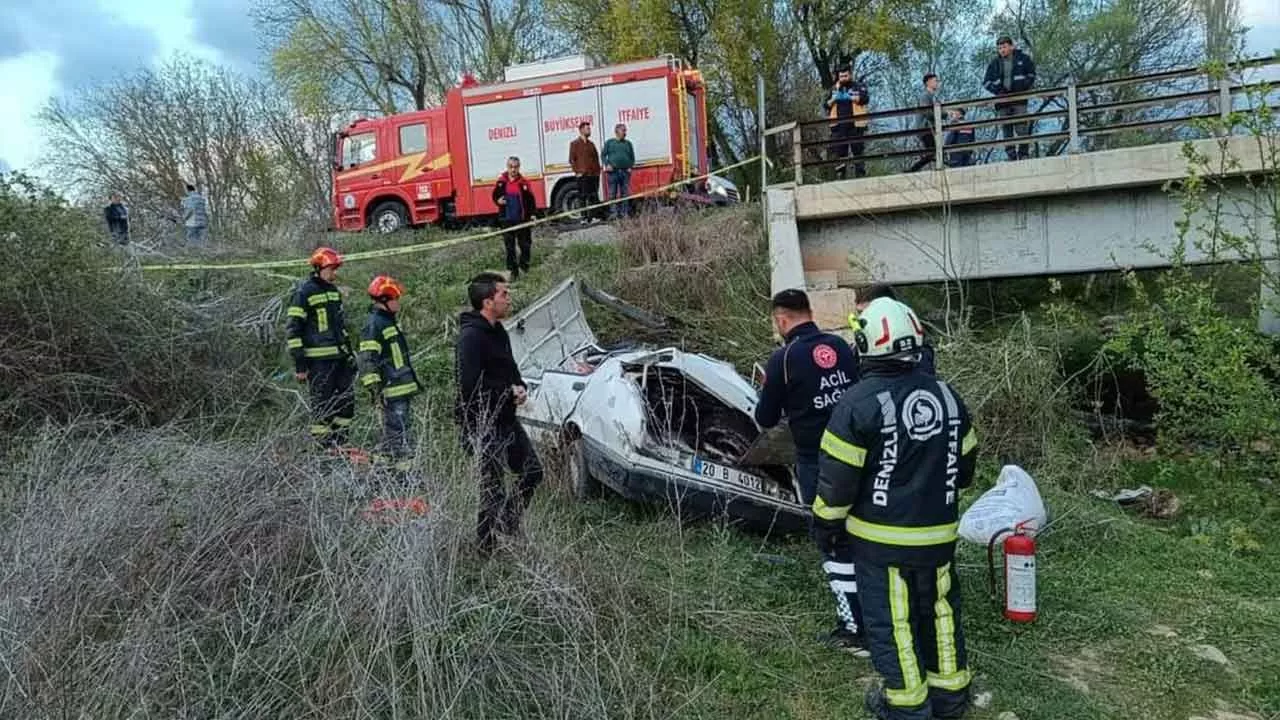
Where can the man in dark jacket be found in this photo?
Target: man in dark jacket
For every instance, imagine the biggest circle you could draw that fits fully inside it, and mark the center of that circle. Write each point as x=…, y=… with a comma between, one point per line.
x=845, y=107
x=803, y=380
x=489, y=390
x=584, y=159
x=898, y=450
x=516, y=204
x=321, y=351
x=117, y=216
x=388, y=373
x=864, y=298
x=1011, y=72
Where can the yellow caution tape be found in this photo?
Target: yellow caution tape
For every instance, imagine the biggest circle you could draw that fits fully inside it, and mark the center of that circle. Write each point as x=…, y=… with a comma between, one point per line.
x=438, y=244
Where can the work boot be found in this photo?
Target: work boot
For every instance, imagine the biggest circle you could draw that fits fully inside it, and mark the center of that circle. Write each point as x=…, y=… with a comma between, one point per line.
x=842, y=638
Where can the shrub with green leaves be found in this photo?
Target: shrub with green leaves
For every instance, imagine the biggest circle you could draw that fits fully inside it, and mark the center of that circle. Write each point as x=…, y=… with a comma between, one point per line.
x=83, y=332
x=1209, y=371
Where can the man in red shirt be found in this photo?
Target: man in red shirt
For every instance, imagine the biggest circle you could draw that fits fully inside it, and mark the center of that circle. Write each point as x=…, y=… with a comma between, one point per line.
x=516, y=204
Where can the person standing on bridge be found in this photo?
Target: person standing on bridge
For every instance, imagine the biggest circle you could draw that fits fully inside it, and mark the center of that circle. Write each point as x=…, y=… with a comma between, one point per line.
x=515, y=203
x=619, y=157
x=845, y=107
x=898, y=450
x=1011, y=72
x=803, y=380
x=584, y=159
x=925, y=121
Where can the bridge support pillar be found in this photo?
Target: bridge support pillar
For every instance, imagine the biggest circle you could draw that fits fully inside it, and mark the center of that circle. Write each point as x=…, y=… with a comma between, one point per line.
x=784, y=241
x=1269, y=301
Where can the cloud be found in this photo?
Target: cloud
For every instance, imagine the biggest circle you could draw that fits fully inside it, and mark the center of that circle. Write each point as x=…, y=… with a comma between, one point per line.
x=226, y=26
x=4, y=166
x=89, y=42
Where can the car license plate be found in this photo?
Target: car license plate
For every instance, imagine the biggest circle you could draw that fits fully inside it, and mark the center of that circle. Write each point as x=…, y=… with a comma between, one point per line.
x=727, y=474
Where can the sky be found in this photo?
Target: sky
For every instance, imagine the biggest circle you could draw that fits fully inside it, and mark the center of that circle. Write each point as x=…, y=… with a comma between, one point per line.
x=51, y=47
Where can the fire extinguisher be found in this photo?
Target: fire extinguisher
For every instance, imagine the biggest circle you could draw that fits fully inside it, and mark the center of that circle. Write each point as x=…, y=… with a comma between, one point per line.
x=1019, y=572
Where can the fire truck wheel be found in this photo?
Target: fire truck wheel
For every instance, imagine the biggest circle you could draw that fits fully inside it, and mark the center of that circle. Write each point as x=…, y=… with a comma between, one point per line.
x=388, y=217
x=565, y=196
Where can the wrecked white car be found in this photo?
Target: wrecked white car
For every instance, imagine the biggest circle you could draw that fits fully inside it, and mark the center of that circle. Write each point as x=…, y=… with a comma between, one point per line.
x=654, y=425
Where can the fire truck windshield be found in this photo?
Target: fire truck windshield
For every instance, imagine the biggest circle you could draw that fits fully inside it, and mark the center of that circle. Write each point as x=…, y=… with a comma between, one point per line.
x=359, y=149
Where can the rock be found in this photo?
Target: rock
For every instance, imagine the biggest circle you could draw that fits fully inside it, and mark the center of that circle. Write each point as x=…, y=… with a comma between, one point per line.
x=982, y=700
x=1007, y=715
x=1163, y=505
x=1162, y=631
x=1210, y=653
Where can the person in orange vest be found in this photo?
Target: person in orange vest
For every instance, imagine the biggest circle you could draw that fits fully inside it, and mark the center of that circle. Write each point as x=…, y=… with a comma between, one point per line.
x=849, y=100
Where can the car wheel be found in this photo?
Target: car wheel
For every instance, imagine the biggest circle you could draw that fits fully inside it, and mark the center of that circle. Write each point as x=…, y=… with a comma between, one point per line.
x=581, y=483
x=388, y=217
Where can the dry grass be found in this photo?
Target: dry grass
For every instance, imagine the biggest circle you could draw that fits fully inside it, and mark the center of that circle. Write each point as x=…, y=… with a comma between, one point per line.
x=149, y=575
x=1015, y=390
x=680, y=257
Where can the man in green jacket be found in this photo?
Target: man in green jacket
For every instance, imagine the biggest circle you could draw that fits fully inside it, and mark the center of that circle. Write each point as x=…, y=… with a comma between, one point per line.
x=619, y=157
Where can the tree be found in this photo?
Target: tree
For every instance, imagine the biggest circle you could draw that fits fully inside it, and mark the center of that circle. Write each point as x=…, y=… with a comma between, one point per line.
x=386, y=56
x=1223, y=33
x=149, y=133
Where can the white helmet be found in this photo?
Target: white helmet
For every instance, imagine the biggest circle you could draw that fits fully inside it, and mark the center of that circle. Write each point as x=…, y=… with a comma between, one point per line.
x=887, y=329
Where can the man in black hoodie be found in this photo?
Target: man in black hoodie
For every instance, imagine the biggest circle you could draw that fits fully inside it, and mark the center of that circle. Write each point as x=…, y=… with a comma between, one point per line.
x=1011, y=72
x=489, y=390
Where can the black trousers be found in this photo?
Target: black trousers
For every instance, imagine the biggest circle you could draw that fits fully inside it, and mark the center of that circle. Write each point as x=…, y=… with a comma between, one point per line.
x=853, y=146
x=396, y=446
x=333, y=400
x=499, y=450
x=1022, y=151
x=926, y=141
x=913, y=625
x=524, y=238
x=589, y=194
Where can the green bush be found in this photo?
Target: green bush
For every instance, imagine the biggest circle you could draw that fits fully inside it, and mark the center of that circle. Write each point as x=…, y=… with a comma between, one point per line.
x=1208, y=371
x=85, y=334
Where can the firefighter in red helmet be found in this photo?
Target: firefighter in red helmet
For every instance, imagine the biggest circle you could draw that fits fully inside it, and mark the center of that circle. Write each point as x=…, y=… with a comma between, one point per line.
x=897, y=451
x=317, y=340
x=388, y=372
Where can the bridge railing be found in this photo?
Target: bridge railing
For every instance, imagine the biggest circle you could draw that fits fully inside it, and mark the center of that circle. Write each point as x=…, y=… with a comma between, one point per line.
x=1142, y=109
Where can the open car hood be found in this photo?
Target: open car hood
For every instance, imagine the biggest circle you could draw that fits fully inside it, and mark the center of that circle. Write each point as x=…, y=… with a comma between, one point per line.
x=545, y=333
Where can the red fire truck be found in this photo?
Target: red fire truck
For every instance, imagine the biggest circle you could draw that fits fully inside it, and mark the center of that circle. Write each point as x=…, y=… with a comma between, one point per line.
x=440, y=164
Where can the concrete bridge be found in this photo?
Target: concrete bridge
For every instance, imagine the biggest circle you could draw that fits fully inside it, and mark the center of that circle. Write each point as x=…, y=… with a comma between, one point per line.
x=1071, y=213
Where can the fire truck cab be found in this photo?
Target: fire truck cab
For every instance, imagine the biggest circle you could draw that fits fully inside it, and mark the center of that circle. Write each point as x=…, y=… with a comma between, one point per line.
x=440, y=164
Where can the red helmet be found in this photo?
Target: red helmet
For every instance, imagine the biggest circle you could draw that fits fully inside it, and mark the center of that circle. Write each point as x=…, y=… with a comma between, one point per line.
x=385, y=287
x=325, y=257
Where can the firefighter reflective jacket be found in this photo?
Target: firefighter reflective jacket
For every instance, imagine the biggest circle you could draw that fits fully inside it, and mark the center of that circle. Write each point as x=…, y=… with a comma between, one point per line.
x=899, y=448
x=384, y=356
x=317, y=326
